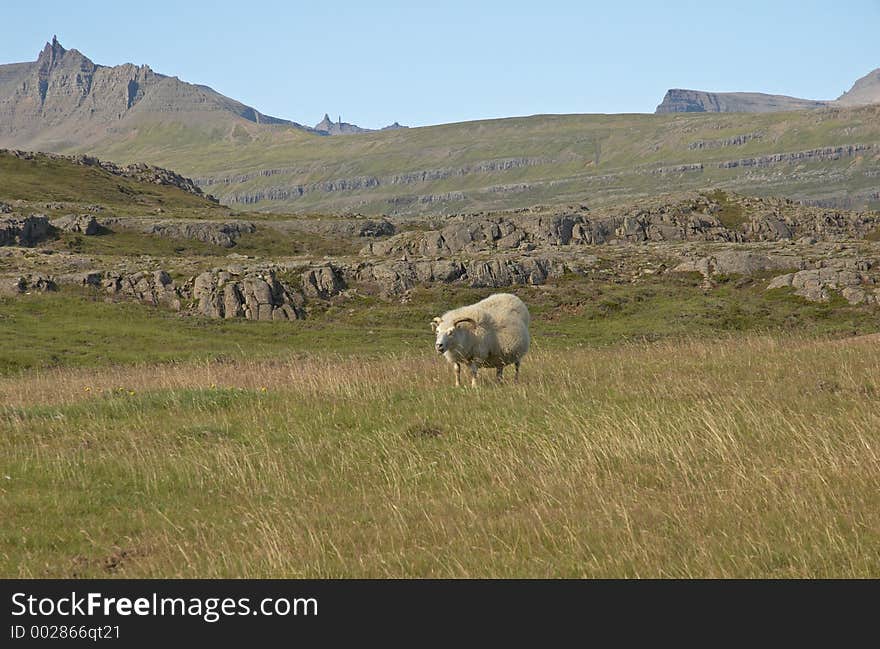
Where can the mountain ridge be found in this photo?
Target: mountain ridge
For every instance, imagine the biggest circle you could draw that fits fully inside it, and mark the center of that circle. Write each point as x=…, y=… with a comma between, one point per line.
x=65, y=99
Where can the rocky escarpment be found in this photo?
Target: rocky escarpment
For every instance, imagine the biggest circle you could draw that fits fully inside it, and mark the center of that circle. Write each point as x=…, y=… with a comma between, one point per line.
x=139, y=171
x=810, y=155
x=286, y=192
x=695, y=219
x=679, y=100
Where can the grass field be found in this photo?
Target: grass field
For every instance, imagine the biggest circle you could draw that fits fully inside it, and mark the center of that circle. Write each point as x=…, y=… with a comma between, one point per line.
x=657, y=431
x=749, y=457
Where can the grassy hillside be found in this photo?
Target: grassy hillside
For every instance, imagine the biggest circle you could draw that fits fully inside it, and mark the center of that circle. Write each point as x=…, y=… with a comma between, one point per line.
x=519, y=161
x=58, y=180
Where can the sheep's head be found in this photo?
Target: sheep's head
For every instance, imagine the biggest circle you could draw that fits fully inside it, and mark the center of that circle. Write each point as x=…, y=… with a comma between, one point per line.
x=448, y=335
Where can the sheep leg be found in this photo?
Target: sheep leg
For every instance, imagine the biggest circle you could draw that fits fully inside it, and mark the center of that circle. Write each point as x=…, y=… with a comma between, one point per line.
x=516, y=374
x=457, y=368
x=473, y=375
x=499, y=374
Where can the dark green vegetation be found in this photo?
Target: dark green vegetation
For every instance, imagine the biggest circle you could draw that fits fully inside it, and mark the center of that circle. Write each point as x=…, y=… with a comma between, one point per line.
x=70, y=329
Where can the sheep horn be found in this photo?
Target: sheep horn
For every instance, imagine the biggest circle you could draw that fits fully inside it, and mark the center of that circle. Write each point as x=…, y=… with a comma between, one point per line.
x=461, y=320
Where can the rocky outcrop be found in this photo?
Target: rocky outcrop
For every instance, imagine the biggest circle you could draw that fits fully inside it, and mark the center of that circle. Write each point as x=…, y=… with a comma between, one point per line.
x=467, y=235
x=85, y=224
x=28, y=231
x=328, y=127
x=255, y=295
x=223, y=234
x=817, y=285
x=692, y=219
x=155, y=288
x=736, y=140
x=323, y=282
x=738, y=262
x=394, y=278
x=28, y=284
x=678, y=100
x=823, y=154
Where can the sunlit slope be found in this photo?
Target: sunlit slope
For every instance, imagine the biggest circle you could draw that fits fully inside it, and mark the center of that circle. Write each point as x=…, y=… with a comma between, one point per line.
x=829, y=155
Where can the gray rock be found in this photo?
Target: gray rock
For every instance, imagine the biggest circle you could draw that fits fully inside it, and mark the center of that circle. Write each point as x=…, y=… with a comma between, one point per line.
x=395, y=278
x=155, y=288
x=737, y=262
x=28, y=284
x=380, y=228
x=85, y=224
x=816, y=285
x=23, y=231
x=255, y=296
x=223, y=234
x=324, y=282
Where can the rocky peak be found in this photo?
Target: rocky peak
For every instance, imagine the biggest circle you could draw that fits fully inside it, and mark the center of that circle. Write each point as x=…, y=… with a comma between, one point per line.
x=51, y=54
x=328, y=127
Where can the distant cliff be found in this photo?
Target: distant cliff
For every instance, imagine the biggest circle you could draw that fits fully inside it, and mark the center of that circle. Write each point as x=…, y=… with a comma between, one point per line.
x=864, y=91
x=679, y=100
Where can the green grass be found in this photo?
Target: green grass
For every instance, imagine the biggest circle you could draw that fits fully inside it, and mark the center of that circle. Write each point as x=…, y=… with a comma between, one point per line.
x=71, y=329
x=732, y=215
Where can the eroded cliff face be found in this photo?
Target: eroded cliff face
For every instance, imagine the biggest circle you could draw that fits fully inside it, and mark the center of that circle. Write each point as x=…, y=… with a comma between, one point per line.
x=64, y=99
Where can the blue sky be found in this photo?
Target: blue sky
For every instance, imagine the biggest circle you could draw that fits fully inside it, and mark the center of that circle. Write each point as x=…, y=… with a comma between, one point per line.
x=376, y=62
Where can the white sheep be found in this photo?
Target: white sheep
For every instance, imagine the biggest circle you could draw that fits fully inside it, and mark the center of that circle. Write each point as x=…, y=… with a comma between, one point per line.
x=491, y=333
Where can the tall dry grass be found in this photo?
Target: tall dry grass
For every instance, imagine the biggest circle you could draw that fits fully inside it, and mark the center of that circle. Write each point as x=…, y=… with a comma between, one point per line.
x=751, y=457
